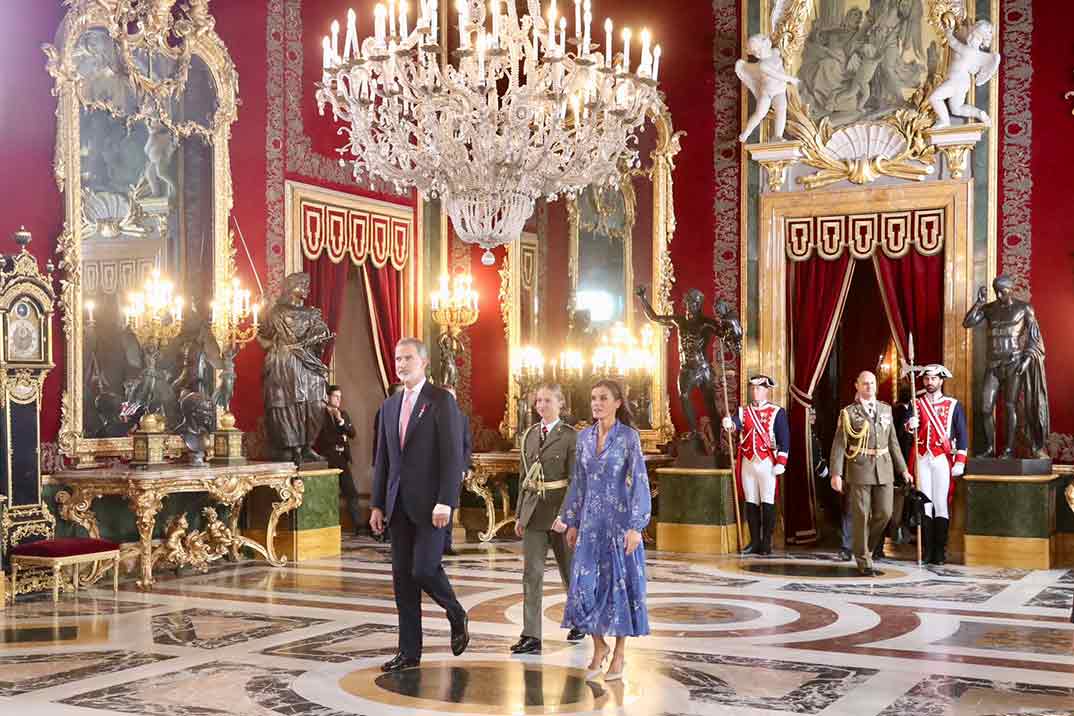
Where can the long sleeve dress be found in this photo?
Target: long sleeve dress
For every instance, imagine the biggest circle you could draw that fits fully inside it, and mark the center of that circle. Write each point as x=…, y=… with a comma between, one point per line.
x=609, y=494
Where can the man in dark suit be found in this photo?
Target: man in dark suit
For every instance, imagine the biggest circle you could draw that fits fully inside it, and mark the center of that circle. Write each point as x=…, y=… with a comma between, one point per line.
x=334, y=444
x=467, y=451
x=415, y=487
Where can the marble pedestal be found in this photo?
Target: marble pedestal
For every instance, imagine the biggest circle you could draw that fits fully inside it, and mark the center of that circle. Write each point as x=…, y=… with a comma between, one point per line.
x=1015, y=521
x=312, y=531
x=697, y=511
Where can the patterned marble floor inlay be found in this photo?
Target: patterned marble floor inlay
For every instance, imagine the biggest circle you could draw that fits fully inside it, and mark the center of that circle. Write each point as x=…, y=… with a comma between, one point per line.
x=796, y=633
x=211, y=629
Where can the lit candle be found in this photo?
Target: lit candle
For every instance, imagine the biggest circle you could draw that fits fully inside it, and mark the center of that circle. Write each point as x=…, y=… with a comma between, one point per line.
x=327, y=64
x=584, y=50
x=464, y=20
x=481, y=56
x=608, y=42
x=646, y=58
x=379, y=12
x=350, y=47
x=335, y=39
x=577, y=18
x=391, y=18
x=434, y=30
x=551, y=26
x=495, y=7
x=89, y=311
x=656, y=62
x=257, y=309
x=562, y=35
x=626, y=49
x=402, y=19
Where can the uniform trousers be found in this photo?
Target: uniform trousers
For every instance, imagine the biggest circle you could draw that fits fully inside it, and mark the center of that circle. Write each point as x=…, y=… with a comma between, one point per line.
x=534, y=549
x=934, y=479
x=870, y=508
x=758, y=481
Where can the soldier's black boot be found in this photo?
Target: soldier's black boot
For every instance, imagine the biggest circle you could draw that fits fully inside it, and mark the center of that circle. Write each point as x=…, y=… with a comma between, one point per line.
x=939, y=540
x=927, y=540
x=753, y=520
x=768, y=525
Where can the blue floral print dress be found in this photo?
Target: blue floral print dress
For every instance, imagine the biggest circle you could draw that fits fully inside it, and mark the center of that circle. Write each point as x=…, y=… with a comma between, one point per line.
x=609, y=494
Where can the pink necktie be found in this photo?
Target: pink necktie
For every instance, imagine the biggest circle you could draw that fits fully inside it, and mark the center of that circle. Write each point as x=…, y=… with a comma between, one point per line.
x=404, y=415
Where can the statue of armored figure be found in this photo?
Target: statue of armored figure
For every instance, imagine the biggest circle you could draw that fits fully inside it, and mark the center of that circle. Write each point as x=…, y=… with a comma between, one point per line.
x=1015, y=370
x=696, y=331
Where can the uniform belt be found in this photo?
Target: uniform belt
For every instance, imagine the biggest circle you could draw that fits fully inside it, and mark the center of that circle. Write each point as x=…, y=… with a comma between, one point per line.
x=535, y=486
x=874, y=452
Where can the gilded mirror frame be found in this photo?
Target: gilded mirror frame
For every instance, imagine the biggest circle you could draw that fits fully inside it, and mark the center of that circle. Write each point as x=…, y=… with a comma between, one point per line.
x=659, y=172
x=82, y=16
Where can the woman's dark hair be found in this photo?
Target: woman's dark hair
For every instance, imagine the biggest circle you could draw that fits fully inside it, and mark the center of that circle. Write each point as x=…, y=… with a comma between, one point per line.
x=623, y=414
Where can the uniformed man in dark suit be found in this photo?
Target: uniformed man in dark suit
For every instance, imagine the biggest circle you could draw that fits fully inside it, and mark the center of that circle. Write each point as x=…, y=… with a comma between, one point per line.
x=547, y=463
x=334, y=443
x=866, y=449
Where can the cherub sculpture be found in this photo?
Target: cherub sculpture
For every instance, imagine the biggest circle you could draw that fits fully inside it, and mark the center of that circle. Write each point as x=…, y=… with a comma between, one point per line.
x=970, y=62
x=767, y=81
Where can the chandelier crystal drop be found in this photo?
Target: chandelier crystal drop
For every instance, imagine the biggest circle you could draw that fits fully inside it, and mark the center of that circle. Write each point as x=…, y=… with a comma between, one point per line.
x=523, y=113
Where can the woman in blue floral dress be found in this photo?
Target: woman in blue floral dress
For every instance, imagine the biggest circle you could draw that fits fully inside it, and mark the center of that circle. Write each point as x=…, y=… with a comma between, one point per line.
x=606, y=508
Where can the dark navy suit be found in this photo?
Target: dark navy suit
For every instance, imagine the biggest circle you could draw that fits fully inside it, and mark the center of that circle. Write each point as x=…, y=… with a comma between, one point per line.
x=467, y=451
x=408, y=482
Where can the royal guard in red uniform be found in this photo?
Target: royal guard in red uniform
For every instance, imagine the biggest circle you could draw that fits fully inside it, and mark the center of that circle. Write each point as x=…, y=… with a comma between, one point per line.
x=764, y=444
x=940, y=444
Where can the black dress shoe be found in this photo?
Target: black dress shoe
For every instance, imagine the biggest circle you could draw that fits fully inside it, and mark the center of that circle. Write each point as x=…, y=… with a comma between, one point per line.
x=870, y=572
x=460, y=635
x=845, y=555
x=575, y=634
x=527, y=645
x=399, y=662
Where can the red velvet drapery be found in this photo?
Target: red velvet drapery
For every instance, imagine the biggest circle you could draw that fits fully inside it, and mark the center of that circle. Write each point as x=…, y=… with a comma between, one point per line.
x=328, y=284
x=383, y=289
x=817, y=294
x=912, y=288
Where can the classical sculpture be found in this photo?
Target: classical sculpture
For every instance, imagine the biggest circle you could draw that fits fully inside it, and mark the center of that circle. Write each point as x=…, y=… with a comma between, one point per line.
x=767, y=81
x=198, y=419
x=969, y=63
x=695, y=332
x=450, y=347
x=293, y=336
x=1015, y=368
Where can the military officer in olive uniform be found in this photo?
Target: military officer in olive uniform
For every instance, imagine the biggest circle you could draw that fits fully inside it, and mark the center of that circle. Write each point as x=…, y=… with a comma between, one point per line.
x=866, y=450
x=547, y=462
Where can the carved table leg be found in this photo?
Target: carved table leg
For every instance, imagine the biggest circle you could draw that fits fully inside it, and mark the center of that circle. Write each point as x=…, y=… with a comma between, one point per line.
x=234, y=511
x=145, y=505
x=505, y=507
x=290, y=491
x=477, y=483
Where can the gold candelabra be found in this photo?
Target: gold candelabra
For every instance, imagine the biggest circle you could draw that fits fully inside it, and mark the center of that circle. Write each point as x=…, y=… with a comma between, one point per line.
x=454, y=307
x=154, y=314
x=235, y=320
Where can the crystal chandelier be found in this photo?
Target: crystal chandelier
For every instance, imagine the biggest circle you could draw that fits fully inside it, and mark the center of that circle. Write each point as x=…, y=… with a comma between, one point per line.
x=525, y=113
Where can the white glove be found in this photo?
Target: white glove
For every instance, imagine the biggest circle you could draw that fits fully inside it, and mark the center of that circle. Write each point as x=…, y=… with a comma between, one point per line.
x=958, y=469
x=728, y=424
x=779, y=469
x=912, y=423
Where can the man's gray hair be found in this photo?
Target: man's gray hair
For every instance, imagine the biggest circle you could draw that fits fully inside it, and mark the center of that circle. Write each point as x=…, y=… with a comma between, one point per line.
x=417, y=344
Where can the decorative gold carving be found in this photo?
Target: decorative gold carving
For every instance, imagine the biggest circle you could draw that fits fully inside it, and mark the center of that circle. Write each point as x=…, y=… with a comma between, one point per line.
x=956, y=155
x=69, y=89
x=1070, y=495
x=788, y=35
x=776, y=172
x=490, y=472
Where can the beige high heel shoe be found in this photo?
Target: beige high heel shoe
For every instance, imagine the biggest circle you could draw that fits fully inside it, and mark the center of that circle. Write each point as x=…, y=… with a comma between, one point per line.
x=616, y=675
x=592, y=674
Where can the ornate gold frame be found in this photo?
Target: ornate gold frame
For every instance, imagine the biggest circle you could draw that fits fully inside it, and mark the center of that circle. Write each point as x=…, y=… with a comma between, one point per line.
x=663, y=277
x=83, y=15
x=770, y=353
x=630, y=201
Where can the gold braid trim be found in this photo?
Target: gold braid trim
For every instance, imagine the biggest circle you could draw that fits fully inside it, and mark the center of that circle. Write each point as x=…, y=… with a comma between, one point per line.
x=857, y=438
x=533, y=474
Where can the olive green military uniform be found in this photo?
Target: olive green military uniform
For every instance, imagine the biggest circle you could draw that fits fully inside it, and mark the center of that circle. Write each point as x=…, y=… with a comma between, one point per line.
x=546, y=473
x=867, y=446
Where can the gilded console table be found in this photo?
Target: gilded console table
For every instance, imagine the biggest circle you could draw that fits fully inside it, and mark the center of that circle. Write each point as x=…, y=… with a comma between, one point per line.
x=145, y=490
x=491, y=472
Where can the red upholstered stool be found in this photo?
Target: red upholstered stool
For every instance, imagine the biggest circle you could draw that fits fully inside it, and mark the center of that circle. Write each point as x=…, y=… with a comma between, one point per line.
x=58, y=553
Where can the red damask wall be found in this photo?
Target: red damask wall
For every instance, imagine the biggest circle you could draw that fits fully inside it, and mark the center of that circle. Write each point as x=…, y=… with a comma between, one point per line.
x=275, y=46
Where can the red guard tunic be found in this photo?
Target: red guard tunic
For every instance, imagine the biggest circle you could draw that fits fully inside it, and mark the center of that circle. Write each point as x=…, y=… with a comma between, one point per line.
x=764, y=432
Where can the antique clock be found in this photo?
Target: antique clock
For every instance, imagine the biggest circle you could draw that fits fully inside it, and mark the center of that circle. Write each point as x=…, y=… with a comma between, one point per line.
x=26, y=306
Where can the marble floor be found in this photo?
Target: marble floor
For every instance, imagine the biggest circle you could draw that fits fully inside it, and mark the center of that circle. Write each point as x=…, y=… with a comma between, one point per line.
x=787, y=634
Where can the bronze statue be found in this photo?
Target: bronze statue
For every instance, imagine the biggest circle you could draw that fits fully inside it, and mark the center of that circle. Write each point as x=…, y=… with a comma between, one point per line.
x=199, y=420
x=450, y=348
x=293, y=336
x=1015, y=367
x=695, y=331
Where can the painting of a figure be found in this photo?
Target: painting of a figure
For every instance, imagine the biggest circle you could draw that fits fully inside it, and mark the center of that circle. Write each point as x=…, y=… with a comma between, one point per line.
x=863, y=59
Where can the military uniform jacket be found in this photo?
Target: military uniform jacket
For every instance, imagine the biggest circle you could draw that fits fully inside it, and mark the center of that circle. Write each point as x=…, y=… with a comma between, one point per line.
x=874, y=456
x=556, y=458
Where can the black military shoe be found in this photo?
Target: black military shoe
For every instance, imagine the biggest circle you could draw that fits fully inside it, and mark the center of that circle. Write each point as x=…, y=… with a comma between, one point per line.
x=399, y=662
x=575, y=634
x=460, y=635
x=527, y=645
x=870, y=572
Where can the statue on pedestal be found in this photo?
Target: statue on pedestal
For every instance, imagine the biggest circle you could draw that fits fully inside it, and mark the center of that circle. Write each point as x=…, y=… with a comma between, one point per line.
x=767, y=81
x=1015, y=370
x=696, y=331
x=970, y=63
x=294, y=336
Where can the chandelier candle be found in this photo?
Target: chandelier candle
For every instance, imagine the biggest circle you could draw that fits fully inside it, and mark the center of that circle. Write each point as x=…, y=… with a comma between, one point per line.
x=514, y=117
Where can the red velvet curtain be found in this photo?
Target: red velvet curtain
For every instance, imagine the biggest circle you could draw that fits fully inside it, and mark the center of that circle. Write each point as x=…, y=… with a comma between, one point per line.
x=912, y=289
x=328, y=284
x=383, y=289
x=816, y=298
